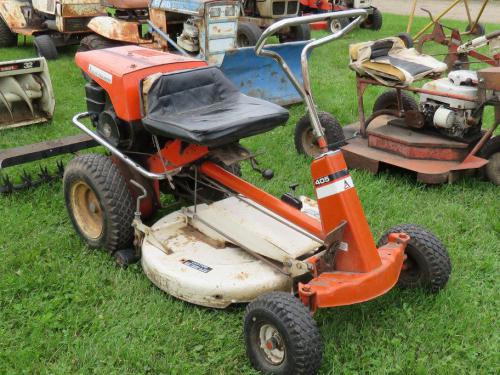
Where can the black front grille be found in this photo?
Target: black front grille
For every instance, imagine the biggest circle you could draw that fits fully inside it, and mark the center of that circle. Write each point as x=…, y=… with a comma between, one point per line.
x=292, y=7
x=76, y=24
x=278, y=8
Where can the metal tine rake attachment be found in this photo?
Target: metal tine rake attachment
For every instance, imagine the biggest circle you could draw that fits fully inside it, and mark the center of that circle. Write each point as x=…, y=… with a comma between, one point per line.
x=29, y=181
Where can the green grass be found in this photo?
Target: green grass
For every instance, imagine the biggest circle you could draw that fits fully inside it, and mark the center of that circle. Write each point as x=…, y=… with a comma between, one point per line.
x=67, y=309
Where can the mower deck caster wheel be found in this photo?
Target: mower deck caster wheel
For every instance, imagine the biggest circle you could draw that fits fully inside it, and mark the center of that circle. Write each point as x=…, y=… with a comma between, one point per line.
x=125, y=258
x=281, y=335
x=305, y=142
x=427, y=264
x=491, y=151
x=99, y=202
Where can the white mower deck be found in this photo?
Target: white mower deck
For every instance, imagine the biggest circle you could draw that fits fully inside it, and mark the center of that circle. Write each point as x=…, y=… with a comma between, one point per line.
x=194, y=256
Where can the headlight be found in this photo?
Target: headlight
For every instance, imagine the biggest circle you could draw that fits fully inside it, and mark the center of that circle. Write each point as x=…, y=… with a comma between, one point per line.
x=214, y=12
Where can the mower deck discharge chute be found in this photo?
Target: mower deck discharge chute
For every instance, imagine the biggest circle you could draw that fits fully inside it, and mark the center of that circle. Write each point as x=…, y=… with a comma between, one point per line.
x=173, y=124
x=26, y=95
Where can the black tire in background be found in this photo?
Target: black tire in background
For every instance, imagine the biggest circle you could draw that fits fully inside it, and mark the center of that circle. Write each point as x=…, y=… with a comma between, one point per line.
x=373, y=21
x=7, y=37
x=406, y=38
x=45, y=47
x=491, y=151
x=94, y=41
x=479, y=29
x=389, y=100
x=248, y=34
x=427, y=263
x=304, y=136
x=99, y=202
x=296, y=33
x=292, y=340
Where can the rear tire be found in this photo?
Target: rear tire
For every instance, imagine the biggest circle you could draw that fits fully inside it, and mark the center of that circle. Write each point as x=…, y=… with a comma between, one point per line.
x=99, y=202
x=427, y=265
x=304, y=137
x=248, y=34
x=7, y=37
x=491, y=151
x=389, y=100
x=281, y=336
x=94, y=42
x=373, y=21
x=296, y=33
x=45, y=47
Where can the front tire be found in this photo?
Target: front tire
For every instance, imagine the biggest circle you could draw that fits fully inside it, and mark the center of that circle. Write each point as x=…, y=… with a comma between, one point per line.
x=45, y=47
x=305, y=142
x=338, y=24
x=427, y=263
x=479, y=29
x=373, y=21
x=281, y=336
x=99, y=202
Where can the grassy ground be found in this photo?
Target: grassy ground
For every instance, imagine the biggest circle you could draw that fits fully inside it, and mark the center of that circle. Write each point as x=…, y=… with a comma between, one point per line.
x=67, y=309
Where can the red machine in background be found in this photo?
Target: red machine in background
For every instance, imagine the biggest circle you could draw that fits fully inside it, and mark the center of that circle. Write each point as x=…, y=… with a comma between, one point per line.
x=373, y=21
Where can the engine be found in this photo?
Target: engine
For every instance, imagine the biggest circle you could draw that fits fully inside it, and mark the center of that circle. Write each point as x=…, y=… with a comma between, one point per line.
x=456, y=118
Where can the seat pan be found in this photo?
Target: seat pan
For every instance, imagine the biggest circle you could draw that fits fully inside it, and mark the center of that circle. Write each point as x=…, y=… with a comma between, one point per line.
x=202, y=106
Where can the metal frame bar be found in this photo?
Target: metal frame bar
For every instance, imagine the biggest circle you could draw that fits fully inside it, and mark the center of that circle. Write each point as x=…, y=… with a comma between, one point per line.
x=114, y=150
x=305, y=89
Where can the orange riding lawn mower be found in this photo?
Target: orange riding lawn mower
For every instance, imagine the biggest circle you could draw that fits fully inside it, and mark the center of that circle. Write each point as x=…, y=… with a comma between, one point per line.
x=172, y=124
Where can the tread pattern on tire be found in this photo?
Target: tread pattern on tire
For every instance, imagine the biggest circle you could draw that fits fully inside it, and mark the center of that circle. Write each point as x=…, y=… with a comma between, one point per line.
x=333, y=131
x=251, y=31
x=7, y=37
x=387, y=100
x=116, y=197
x=299, y=322
x=376, y=21
x=94, y=42
x=433, y=249
x=491, y=147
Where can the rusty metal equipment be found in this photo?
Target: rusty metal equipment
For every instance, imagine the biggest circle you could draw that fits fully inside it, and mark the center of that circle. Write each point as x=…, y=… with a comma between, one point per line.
x=429, y=139
x=473, y=27
x=173, y=124
x=52, y=24
x=26, y=95
x=206, y=29
x=459, y=52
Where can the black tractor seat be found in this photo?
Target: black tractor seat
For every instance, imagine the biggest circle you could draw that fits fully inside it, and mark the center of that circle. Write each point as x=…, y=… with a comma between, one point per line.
x=202, y=106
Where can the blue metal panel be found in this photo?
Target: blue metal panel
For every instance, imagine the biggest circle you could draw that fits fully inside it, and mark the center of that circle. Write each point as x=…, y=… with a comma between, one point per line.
x=262, y=77
x=195, y=7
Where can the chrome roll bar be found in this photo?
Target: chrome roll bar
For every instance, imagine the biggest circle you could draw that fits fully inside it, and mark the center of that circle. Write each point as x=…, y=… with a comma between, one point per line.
x=305, y=89
x=120, y=155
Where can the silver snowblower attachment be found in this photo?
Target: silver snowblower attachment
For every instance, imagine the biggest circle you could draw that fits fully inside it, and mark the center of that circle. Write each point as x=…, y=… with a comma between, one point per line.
x=26, y=95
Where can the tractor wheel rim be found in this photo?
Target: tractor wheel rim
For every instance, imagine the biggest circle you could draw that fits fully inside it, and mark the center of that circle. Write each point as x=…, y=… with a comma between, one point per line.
x=335, y=26
x=309, y=143
x=271, y=344
x=87, y=210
